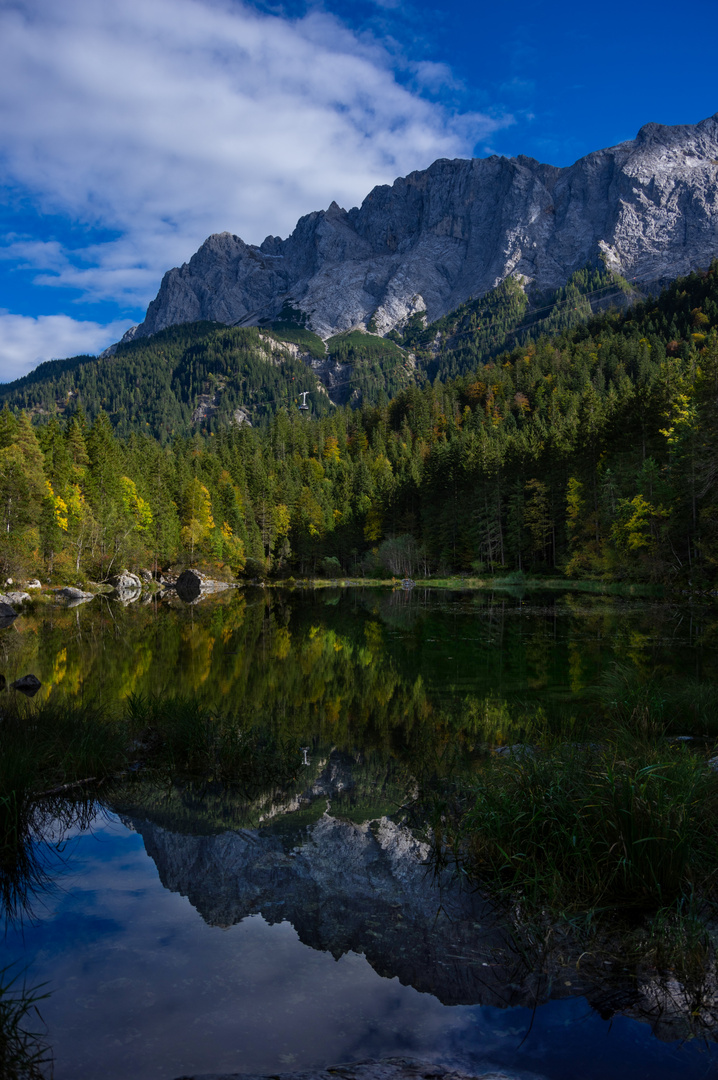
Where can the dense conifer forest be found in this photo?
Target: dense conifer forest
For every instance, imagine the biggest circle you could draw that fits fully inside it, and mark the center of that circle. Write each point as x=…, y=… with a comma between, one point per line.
x=573, y=440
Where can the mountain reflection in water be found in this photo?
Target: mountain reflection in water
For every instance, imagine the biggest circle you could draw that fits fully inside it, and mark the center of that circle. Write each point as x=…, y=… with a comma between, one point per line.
x=324, y=936
x=323, y=944
x=368, y=887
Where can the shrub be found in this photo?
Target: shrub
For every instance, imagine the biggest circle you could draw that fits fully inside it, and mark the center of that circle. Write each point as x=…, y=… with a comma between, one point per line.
x=330, y=567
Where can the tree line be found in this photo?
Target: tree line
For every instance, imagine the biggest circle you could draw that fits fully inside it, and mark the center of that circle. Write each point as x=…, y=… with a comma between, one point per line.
x=592, y=452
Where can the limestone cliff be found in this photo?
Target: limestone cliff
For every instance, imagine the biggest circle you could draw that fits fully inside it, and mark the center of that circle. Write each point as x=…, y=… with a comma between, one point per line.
x=648, y=207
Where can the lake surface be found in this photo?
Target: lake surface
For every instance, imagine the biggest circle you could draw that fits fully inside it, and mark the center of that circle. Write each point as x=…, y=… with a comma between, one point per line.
x=185, y=930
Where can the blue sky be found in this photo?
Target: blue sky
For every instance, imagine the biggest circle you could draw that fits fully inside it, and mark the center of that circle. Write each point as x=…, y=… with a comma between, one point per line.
x=132, y=129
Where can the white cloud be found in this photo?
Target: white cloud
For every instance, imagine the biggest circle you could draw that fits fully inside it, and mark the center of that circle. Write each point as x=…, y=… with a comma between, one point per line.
x=434, y=77
x=26, y=341
x=167, y=120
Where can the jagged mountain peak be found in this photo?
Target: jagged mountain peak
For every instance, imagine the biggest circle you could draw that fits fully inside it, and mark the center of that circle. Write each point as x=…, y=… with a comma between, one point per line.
x=647, y=207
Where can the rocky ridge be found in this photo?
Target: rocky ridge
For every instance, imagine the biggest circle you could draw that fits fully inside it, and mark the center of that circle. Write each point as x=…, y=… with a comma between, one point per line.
x=648, y=208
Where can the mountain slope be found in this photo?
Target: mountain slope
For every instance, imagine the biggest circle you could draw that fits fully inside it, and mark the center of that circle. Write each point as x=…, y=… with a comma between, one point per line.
x=647, y=209
x=205, y=376
x=594, y=451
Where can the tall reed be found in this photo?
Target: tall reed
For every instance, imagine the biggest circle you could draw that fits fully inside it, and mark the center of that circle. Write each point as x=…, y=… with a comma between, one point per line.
x=582, y=827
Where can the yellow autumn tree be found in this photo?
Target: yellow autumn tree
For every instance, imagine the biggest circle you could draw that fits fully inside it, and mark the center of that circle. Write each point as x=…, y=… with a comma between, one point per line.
x=197, y=520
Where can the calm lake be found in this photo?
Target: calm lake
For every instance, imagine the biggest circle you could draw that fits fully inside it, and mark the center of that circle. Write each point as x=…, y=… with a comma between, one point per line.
x=186, y=929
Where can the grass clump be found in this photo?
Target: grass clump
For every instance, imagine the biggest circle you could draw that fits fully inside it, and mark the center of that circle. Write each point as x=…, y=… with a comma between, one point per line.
x=582, y=828
x=24, y=1054
x=654, y=705
x=44, y=746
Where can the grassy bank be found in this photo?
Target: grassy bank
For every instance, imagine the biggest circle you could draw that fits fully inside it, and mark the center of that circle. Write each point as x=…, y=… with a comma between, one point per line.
x=506, y=582
x=510, y=582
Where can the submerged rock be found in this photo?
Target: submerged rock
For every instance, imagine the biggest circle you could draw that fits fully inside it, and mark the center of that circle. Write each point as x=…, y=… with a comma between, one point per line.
x=28, y=685
x=517, y=751
x=395, y=1068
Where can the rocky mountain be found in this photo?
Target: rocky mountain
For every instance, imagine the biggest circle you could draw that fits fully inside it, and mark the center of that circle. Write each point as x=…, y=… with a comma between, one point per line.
x=647, y=209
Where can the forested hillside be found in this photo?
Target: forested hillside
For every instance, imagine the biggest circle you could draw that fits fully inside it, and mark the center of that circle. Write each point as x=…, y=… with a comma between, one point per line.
x=594, y=452
x=507, y=316
x=194, y=377
x=205, y=376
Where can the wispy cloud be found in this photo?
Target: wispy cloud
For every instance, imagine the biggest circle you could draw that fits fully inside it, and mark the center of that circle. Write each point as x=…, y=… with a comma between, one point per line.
x=26, y=341
x=167, y=120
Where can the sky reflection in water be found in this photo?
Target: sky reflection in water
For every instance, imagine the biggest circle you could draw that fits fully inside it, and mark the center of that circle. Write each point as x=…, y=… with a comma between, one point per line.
x=142, y=987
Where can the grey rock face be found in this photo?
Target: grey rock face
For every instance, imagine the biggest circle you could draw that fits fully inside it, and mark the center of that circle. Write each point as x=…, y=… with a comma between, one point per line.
x=648, y=207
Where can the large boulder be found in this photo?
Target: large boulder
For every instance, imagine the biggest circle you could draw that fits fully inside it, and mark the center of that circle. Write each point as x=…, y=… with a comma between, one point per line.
x=15, y=597
x=7, y=613
x=28, y=685
x=125, y=582
x=190, y=585
x=72, y=596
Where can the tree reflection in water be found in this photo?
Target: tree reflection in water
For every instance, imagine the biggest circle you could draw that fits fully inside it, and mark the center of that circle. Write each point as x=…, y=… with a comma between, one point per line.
x=380, y=696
